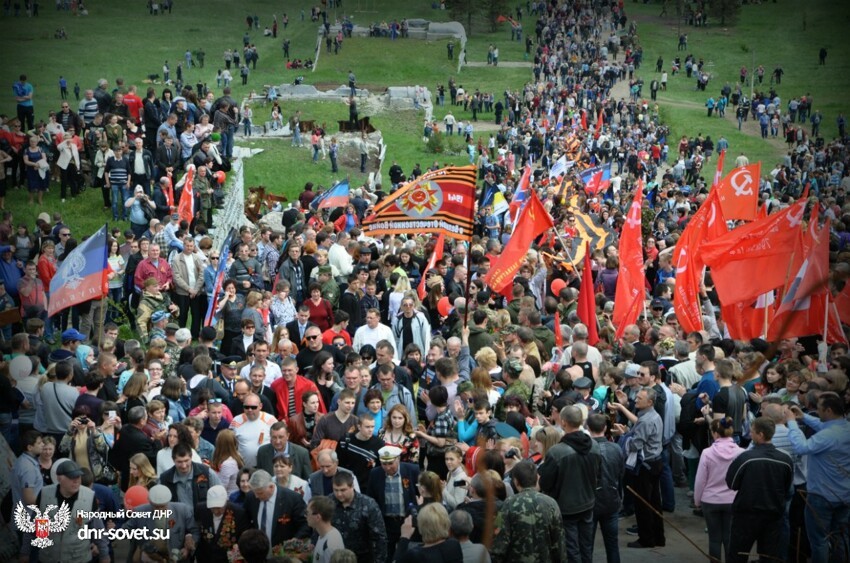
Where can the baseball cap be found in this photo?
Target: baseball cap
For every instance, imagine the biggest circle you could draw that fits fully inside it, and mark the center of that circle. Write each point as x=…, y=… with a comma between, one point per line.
x=216, y=497
x=72, y=334
x=159, y=316
x=632, y=370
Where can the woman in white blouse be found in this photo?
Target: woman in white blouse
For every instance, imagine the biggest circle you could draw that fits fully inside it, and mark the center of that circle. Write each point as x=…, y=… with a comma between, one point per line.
x=226, y=461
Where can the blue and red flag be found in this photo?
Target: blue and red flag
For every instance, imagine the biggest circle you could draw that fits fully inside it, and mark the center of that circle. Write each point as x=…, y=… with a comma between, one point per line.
x=596, y=179
x=335, y=196
x=82, y=275
x=219, y=277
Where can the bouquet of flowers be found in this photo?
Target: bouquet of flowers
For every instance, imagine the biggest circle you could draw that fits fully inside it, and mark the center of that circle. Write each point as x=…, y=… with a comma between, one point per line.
x=300, y=548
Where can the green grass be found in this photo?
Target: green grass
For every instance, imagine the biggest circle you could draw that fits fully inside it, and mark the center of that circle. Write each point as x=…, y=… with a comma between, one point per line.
x=121, y=39
x=769, y=34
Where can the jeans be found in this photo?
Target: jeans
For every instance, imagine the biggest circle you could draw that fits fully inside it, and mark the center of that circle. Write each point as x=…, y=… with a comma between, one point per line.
x=119, y=196
x=646, y=485
x=227, y=143
x=668, y=493
x=718, y=520
x=296, y=136
x=115, y=294
x=609, y=526
x=578, y=529
x=826, y=523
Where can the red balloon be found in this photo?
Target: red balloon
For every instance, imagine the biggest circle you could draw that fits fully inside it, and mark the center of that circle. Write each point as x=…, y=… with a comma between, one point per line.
x=220, y=176
x=136, y=495
x=557, y=286
x=443, y=306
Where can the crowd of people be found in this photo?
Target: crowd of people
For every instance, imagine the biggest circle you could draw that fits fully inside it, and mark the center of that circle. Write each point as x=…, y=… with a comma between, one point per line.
x=353, y=402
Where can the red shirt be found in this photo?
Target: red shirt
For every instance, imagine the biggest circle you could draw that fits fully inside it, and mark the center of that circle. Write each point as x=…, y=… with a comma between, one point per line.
x=302, y=385
x=321, y=315
x=134, y=104
x=329, y=335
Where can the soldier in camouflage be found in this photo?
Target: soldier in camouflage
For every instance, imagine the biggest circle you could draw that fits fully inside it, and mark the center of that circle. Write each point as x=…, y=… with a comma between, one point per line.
x=330, y=289
x=532, y=530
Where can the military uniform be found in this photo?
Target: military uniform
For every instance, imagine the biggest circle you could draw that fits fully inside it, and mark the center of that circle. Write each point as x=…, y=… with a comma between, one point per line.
x=330, y=291
x=532, y=530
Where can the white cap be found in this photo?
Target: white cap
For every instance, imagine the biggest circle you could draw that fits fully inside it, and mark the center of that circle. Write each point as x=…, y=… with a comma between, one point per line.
x=216, y=497
x=159, y=495
x=389, y=453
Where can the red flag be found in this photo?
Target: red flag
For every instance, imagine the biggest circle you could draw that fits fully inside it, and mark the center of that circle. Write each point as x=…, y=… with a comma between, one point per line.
x=599, y=121
x=842, y=304
x=706, y=225
x=436, y=256
x=811, y=271
x=586, y=306
x=745, y=321
x=532, y=221
x=631, y=282
x=583, y=114
x=739, y=192
x=755, y=247
x=810, y=318
x=186, y=208
x=762, y=213
x=559, y=336
x=719, y=172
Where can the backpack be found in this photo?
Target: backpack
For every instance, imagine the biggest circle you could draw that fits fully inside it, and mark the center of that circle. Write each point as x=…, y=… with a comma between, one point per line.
x=686, y=426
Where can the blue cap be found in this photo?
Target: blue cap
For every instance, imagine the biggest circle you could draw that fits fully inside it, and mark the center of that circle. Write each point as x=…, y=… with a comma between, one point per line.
x=160, y=315
x=72, y=334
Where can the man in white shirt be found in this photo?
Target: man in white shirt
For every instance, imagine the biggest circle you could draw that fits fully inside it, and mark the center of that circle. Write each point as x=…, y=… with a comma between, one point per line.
x=372, y=332
x=261, y=353
x=339, y=256
x=252, y=429
x=320, y=511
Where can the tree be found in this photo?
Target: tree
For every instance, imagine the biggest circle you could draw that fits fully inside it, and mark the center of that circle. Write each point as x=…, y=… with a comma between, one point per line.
x=494, y=9
x=726, y=11
x=463, y=10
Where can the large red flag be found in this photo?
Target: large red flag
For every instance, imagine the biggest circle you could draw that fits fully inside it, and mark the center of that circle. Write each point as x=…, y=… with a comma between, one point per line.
x=706, y=225
x=599, y=122
x=842, y=304
x=532, y=221
x=559, y=335
x=739, y=192
x=745, y=321
x=631, y=282
x=436, y=256
x=719, y=172
x=810, y=271
x=753, y=248
x=809, y=318
x=186, y=207
x=586, y=306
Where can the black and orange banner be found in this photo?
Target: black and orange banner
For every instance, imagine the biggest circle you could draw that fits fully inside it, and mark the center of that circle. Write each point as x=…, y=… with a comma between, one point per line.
x=442, y=201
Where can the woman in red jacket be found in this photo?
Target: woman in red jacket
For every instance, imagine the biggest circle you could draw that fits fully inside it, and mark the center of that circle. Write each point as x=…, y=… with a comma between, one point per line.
x=347, y=220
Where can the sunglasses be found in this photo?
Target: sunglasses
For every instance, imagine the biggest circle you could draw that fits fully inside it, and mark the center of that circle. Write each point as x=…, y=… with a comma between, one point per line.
x=216, y=400
x=213, y=257
x=313, y=337
x=250, y=407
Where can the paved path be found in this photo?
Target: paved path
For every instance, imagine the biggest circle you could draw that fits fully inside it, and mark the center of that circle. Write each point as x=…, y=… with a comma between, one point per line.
x=508, y=64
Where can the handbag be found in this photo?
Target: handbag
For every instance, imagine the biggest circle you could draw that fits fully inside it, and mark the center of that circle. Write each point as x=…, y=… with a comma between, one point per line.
x=325, y=444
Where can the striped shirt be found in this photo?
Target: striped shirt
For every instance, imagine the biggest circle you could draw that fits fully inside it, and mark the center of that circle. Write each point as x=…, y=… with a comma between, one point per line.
x=87, y=110
x=118, y=170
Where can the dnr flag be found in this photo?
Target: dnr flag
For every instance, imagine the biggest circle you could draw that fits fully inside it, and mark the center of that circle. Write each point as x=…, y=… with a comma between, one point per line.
x=442, y=201
x=82, y=275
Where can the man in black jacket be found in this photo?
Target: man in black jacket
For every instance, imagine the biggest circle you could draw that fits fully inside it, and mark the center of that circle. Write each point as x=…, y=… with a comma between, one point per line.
x=163, y=210
x=132, y=441
x=608, y=497
x=141, y=173
x=188, y=481
x=167, y=157
x=276, y=511
x=762, y=476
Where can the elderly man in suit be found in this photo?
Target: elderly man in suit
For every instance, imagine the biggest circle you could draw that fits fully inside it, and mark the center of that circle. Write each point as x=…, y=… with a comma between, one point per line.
x=321, y=481
x=280, y=444
x=393, y=486
x=188, y=270
x=275, y=510
x=220, y=524
x=183, y=534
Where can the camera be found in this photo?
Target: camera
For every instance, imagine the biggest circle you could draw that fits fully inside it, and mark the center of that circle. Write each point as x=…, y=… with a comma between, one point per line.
x=84, y=420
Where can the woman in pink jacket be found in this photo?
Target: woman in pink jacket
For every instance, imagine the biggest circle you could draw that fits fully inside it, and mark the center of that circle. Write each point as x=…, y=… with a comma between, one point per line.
x=710, y=490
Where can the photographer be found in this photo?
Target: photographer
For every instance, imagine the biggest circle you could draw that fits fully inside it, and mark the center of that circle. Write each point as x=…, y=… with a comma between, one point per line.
x=141, y=208
x=85, y=445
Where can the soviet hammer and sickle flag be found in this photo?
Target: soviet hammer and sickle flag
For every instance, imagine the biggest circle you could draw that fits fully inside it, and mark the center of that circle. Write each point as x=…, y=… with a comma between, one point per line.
x=739, y=193
x=442, y=201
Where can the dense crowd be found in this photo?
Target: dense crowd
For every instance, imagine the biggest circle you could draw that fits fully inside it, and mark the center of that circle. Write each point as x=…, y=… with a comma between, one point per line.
x=340, y=397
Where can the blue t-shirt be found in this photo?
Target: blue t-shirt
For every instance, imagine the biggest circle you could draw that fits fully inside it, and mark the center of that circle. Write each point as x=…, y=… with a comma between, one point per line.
x=23, y=89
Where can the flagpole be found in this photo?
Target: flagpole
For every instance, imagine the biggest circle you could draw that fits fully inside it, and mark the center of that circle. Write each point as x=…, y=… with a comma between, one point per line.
x=466, y=294
x=826, y=316
x=103, y=301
